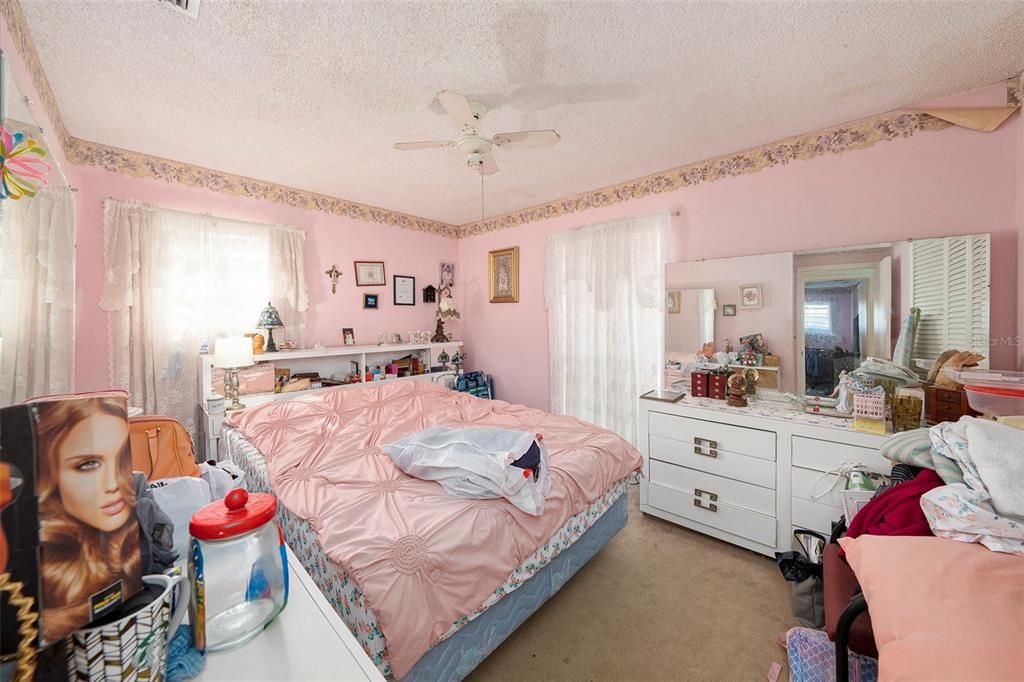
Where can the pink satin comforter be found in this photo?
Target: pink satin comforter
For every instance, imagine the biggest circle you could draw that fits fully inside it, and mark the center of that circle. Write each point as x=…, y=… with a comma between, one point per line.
x=422, y=558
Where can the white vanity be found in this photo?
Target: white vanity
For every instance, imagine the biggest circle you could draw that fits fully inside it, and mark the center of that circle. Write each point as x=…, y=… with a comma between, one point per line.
x=745, y=475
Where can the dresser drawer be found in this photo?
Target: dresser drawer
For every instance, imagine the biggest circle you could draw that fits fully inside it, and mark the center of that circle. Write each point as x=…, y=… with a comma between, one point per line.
x=806, y=482
x=824, y=455
x=718, y=513
x=714, y=461
x=713, y=435
x=734, y=493
x=815, y=516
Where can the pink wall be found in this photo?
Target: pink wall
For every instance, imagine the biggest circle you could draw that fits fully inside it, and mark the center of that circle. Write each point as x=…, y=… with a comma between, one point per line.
x=774, y=273
x=930, y=185
x=329, y=239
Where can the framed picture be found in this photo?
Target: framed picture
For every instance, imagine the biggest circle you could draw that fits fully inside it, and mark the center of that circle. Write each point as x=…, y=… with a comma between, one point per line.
x=405, y=290
x=729, y=310
x=348, y=336
x=370, y=273
x=370, y=301
x=447, y=274
x=750, y=296
x=673, y=301
x=504, y=275
x=754, y=342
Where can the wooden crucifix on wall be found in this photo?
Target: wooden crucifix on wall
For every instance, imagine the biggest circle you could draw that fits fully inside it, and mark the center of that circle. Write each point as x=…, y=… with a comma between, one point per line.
x=334, y=273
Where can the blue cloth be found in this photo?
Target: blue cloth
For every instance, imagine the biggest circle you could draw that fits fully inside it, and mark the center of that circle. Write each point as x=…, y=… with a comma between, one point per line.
x=184, y=661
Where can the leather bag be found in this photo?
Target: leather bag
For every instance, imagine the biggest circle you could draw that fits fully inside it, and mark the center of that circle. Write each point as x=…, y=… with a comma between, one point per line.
x=161, y=448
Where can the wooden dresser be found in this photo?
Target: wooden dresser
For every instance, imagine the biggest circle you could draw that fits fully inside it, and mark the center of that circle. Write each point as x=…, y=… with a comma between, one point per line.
x=746, y=475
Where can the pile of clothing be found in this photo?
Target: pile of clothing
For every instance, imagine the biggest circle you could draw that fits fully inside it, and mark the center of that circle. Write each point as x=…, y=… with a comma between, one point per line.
x=964, y=484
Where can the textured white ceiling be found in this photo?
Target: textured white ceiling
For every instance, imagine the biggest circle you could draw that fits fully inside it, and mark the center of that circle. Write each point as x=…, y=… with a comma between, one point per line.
x=312, y=94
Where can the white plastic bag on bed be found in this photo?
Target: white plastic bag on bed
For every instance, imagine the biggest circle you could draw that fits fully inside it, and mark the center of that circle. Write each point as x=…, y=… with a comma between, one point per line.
x=476, y=463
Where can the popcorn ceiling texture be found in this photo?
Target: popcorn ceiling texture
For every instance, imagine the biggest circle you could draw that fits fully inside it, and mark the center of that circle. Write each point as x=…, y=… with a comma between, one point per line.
x=633, y=87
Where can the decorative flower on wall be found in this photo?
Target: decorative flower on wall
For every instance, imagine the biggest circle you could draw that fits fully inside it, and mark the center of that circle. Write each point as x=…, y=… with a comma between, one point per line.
x=23, y=163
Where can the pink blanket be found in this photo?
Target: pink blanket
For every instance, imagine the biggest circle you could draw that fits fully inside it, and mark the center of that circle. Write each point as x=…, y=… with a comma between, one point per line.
x=422, y=558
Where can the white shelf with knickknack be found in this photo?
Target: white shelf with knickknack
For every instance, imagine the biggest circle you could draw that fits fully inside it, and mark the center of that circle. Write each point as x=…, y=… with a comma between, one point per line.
x=328, y=362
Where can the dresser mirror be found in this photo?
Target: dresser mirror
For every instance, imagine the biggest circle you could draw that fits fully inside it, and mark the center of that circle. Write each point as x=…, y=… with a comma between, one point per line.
x=842, y=313
x=824, y=311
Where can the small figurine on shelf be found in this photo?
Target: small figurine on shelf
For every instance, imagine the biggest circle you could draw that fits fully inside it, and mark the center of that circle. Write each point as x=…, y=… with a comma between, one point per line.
x=737, y=391
x=843, y=394
x=382, y=340
x=397, y=338
x=728, y=345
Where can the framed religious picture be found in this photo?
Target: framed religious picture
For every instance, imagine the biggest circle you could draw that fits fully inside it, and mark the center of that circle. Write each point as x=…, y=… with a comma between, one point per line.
x=405, y=290
x=750, y=296
x=348, y=336
x=370, y=273
x=504, y=275
x=447, y=274
x=673, y=301
x=370, y=301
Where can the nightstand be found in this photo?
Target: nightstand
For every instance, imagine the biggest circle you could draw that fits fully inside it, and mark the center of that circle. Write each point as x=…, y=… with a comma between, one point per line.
x=307, y=642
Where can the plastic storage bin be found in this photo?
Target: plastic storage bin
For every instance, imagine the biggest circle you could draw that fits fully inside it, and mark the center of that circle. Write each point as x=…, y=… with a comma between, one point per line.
x=238, y=568
x=998, y=402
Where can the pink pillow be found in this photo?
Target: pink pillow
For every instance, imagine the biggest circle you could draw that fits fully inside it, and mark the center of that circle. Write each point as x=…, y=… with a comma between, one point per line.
x=941, y=609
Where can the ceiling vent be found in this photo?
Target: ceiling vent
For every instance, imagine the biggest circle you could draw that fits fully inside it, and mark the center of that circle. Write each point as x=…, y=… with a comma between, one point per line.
x=189, y=7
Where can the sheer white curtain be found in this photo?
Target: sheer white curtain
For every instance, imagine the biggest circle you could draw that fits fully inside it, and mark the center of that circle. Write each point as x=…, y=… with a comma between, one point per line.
x=37, y=295
x=176, y=280
x=605, y=295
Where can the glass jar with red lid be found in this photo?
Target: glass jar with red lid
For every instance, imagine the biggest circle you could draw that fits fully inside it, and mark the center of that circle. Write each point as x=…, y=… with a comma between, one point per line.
x=238, y=569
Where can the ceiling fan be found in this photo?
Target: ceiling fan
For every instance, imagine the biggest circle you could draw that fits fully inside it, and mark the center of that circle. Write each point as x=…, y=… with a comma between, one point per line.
x=477, y=148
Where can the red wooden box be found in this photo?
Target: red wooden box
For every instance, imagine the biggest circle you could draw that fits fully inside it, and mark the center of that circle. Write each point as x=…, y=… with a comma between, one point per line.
x=699, y=383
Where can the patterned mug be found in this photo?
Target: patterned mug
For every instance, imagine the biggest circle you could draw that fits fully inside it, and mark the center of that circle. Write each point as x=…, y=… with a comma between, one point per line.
x=134, y=647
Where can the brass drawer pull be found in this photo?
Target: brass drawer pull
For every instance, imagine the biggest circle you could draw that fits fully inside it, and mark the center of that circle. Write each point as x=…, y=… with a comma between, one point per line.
x=709, y=453
x=705, y=441
x=712, y=496
x=711, y=505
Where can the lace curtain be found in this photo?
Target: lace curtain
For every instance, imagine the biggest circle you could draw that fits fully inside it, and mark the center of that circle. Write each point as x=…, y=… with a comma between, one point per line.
x=605, y=296
x=177, y=280
x=37, y=305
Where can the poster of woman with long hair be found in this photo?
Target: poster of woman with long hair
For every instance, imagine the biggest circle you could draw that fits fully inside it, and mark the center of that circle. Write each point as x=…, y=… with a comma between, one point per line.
x=89, y=534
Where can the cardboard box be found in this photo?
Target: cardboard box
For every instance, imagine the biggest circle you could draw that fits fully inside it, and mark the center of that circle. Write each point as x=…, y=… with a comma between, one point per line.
x=69, y=527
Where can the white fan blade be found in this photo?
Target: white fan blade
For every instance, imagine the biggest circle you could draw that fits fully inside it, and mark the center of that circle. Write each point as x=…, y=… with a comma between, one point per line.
x=432, y=144
x=528, y=138
x=457, y=107
x=488, y=167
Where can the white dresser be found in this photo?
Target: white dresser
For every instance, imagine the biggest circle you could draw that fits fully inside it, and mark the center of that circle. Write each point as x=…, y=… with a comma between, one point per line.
x=745, y=475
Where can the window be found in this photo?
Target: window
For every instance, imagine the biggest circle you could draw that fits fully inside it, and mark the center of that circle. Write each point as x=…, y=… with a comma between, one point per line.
x=177, y=280
x=818, y=316
x=605, y=297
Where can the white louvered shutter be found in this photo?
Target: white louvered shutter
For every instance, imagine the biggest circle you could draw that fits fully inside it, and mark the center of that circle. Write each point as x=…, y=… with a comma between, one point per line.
x=950, y=284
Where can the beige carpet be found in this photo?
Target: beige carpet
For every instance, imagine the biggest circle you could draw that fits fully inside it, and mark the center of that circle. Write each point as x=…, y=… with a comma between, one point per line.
x=659, y=602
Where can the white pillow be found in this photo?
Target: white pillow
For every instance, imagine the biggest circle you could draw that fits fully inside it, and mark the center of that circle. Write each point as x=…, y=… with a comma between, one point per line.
x=998, y=453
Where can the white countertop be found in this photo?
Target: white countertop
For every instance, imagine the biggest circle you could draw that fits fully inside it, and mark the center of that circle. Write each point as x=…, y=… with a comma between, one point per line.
x=770, y=408
x=308, y=641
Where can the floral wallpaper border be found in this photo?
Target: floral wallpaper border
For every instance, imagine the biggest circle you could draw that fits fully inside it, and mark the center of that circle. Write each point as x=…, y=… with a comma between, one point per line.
x=836, y=140
x=83, y=152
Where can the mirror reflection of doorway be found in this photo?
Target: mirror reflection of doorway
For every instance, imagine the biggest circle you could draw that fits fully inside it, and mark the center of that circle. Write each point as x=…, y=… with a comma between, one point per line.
x=843, y=319
x=834, y=324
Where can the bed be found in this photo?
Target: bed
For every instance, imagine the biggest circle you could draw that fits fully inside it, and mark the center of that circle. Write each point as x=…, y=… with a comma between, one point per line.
x=429, y=584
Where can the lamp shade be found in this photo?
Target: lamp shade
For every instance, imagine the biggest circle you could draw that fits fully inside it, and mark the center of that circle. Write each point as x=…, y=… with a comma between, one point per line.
x=232, y=351
x=269, y=318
